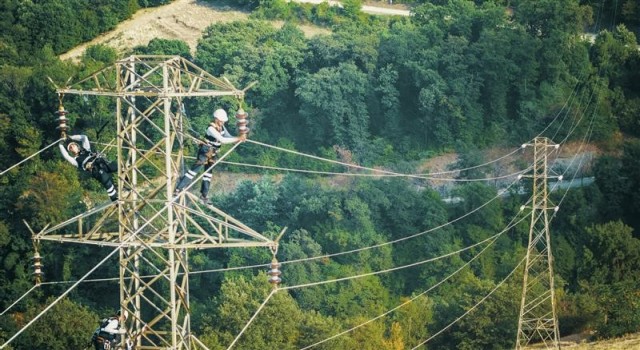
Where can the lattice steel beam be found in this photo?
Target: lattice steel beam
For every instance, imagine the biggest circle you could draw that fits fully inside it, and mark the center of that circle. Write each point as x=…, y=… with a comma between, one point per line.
x=153, y=229
x=538, y=321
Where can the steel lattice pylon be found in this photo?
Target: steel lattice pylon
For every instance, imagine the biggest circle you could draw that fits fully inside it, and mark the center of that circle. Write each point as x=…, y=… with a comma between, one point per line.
x=152, y=229
x=538, y=321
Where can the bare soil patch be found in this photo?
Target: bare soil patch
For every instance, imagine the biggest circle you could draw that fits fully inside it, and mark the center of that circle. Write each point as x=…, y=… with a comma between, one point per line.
x=180, y=20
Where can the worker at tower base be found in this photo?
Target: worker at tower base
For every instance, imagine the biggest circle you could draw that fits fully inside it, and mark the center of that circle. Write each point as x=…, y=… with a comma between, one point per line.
x=109, y=335
x=78, y=153
x=215, y=136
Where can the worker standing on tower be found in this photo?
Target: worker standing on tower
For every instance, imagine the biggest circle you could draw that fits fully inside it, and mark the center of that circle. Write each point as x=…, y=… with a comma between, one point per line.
x=80, y=156
x=215, y=136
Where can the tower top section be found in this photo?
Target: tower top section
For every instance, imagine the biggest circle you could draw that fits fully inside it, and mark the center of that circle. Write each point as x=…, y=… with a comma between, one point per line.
x=152, y=76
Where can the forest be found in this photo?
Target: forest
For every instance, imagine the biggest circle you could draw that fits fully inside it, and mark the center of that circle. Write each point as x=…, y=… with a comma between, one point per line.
x=458, y=76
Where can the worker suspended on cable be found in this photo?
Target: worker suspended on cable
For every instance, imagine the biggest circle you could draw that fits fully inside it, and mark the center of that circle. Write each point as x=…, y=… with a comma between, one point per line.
x=80, y=155
x=109, y=333
x=215, y=136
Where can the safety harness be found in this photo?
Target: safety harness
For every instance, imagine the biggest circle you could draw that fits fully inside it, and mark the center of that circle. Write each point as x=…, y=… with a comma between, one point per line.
x=103, y=340
x=86, y=160
x=212, y=143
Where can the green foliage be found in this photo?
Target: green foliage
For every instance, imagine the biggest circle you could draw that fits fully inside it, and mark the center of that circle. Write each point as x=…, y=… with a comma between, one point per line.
x=578, y=312
x=631, y=167
x=370, y=336
x=323, y=13
x=266, y=55
x=229, y=43
x=152, y=3
x=239, y=299
x=475, y=195
x=331, y=51
x=300, y=245
x=67, y=325
x=481, y=328
x=315, y=328
x=547, y=18
x=608, y=274
x=612, y=185
x=388, y=118
x=619, y=309
x=414, y=319
x=274, y=9
x=159, y=46
x=46, y=188
x=352, y=7
x=61, y=24
x=254, y=203
x=626, y=109
x=615, y=178
x=614, y=14
x=611, y=255
x=99, y=53
x=333, y=103
x=612, y=309
x=614, y=54
x=458, y=74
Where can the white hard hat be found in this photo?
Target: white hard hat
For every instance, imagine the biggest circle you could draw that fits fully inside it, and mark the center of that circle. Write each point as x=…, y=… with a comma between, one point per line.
x=221, y=115
x=72, y=144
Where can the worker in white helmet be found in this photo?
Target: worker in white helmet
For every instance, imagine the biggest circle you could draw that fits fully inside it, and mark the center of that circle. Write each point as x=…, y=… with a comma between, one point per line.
x=78, y=153
x=111, y=333
x=215, y=136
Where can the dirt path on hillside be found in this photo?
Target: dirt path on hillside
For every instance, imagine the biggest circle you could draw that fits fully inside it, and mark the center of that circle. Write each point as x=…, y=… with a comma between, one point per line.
x=180, y=20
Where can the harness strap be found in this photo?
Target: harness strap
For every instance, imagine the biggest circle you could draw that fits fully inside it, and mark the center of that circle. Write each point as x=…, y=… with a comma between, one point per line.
x=87, y=163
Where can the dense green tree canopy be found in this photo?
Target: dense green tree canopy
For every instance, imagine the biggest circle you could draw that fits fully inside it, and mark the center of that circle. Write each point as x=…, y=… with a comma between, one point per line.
x=383, y=92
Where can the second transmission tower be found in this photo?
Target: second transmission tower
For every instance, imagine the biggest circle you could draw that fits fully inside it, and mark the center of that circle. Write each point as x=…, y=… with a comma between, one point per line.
x=538, y=321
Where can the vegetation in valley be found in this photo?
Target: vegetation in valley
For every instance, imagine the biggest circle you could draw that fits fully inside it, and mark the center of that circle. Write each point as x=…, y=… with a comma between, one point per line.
x=457, y=76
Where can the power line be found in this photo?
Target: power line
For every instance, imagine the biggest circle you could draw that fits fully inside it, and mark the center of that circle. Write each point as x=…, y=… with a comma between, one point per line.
x=473, y=307
x=273, y=292
x=217, y=161
x=425, y=177
x=584, y=142
x=490, y=239
x=349, y=278
x=420, y=176
x=325, y=256
x=402, y=266
x=577, y=123
x=29, y=157
x=403, y=238
x=429, y=176
x=408, y=301
x=20, y=298
x=65, y=293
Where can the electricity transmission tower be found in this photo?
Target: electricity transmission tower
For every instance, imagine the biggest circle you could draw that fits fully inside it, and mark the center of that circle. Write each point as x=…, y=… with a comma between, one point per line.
x=538, y=321
x=152, y=229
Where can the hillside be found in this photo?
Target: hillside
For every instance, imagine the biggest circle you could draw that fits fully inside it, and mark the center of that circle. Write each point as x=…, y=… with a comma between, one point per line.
x=186, y=19
x=323, y=218
x=181, y=20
